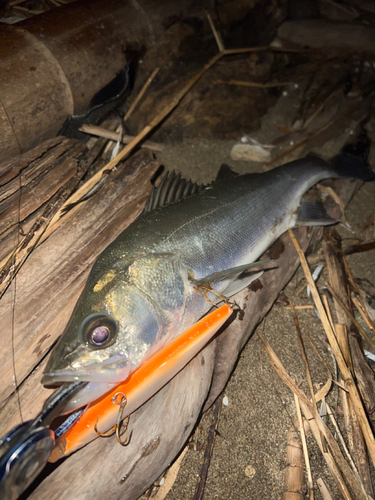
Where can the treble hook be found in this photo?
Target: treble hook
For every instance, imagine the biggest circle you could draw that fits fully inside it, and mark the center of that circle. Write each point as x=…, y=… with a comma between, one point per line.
x=205, y=289
x=116, y=429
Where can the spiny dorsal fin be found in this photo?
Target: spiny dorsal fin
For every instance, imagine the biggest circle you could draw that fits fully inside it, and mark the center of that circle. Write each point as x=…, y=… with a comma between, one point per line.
x=171, y=189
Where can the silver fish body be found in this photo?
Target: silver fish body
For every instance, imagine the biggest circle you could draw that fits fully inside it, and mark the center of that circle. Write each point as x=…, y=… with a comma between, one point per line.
x=141, y=293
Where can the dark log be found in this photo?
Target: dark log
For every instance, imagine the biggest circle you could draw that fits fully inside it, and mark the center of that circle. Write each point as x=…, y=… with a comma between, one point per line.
x=54, y=64
x=320, y=34
x=47, y=171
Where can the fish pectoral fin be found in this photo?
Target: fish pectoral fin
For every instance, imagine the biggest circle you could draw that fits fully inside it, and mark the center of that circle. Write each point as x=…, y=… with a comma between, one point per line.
x=228, y=273
x=313, y=213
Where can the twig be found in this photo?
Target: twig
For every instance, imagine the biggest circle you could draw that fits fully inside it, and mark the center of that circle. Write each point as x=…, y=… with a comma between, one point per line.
x=363, y=332
x=141, y=94
x=303, y=353
x=304, y=447
x=199, y=492
x=113, y=136
x=324, y=491
x=252, y=84
x=299, y=307
x=363, y=314
x=217, y=36
x=348, y=379
x=342, y=441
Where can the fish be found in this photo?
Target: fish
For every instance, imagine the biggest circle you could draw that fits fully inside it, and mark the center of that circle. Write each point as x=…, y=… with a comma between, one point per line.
x=191, y=248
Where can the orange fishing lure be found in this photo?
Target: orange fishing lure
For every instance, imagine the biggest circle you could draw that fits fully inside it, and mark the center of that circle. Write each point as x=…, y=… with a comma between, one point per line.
x=142, y=384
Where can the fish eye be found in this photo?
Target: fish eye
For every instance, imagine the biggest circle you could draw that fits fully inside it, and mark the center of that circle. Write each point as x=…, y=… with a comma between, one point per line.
x=100, y=335
x=100, y=331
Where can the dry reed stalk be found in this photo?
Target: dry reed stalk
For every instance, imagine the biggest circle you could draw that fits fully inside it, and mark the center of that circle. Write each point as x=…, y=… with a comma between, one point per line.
x=256, y=85
x=362, y=331
x=303, y=353
x=342, y=441
x=141, y=94
x=299, y=307
x=219, y=41
x=363, y=313
x=348, y=379
x=328, y=311
x=113, y=136
x=305, y=450
x=324, y=491
x=293, y=477
x=342, y=339
x=318, y=428
x=347, y=417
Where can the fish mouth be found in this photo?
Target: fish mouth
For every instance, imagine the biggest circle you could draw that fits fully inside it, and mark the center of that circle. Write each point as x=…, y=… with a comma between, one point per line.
x=101, y=378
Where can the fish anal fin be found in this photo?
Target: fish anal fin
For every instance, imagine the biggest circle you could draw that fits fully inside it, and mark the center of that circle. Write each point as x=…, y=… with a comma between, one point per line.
x=313, y=213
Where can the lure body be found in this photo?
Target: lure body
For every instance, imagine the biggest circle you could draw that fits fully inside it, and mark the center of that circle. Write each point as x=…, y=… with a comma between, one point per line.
x=143, y=383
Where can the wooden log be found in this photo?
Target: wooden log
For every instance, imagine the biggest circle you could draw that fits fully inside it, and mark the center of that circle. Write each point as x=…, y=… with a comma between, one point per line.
x=55, y=64
x=46, y=172
x=321, y=34
x=51, y=279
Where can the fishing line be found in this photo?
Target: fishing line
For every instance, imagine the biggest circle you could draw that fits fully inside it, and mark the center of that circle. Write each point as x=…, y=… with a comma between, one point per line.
x=13, y=301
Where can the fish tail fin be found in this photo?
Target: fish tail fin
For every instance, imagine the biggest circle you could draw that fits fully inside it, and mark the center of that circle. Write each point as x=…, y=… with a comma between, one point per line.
x=353, y=167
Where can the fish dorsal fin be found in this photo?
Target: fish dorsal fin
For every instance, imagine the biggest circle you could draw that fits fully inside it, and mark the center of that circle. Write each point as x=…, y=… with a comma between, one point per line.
x=171, y=189
x=225, y=173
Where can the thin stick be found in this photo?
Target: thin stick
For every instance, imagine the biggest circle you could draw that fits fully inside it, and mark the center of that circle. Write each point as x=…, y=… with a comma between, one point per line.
x=342, y=441
x=217, y=36
x=256, y=85
x=324, y=491
x=303, y=353
x=199, y=492
x=348, y=379
x=328, y=311
x=363, y=314
x=141, y=94
x=363, y=332
x=113, y=136
x=299, y=307
x=305, y=450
